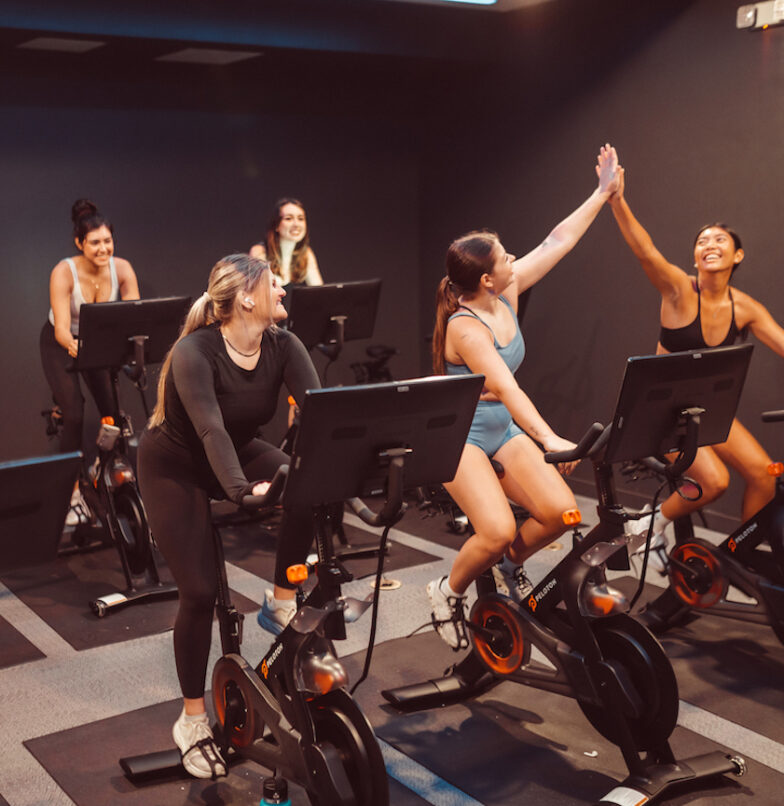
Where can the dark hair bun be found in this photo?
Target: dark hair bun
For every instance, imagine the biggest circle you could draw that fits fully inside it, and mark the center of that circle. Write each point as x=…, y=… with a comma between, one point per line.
x=82, y=208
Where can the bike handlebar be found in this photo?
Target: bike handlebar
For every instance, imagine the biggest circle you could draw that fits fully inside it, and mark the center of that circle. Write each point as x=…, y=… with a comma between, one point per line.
x=593, y=439
x=773, y=416
x=273, y=494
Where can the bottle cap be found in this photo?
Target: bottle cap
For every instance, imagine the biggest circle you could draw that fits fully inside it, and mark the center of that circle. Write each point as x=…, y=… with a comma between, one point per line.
x=275, y=790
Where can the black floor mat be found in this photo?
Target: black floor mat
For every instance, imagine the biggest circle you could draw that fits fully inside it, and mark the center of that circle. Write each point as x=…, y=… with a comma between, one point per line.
x=733, y=669
x=84, y=762
x=511, y=745
x=14, y=647
x=60, y=593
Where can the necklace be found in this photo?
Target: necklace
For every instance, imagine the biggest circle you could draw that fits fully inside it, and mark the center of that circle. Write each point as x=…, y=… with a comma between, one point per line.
x=244, y=355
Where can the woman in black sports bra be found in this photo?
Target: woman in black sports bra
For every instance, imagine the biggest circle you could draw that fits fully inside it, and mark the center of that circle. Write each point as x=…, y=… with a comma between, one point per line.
x=697, y=313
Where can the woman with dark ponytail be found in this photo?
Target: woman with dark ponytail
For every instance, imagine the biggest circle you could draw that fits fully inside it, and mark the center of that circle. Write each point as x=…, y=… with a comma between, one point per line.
x=94, y=275
x=477, y=331
x=218, y=385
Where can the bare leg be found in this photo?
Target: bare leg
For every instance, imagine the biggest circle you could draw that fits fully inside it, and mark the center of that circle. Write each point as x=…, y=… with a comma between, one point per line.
x=476, y=490
x=745, y=455
x=530, y=482
x=540, y=488
x=712, y=476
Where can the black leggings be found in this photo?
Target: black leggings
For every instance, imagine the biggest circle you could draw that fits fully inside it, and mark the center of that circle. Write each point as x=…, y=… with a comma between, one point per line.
x=176, y=500
x=67, y=392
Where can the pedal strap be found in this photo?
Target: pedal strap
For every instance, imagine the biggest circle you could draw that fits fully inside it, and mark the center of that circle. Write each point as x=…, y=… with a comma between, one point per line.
x=457, y=604
x=212, y=756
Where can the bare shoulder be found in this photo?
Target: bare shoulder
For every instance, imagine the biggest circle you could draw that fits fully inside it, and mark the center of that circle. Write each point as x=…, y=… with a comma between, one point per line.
x=61, y=274
x=258, y=250
x=123, y=267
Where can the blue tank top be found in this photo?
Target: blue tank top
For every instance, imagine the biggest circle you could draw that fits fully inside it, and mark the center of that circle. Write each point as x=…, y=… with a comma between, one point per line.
x=512, y=353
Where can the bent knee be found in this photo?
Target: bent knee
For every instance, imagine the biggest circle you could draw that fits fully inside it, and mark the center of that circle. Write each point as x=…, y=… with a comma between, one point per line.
x=498, y=535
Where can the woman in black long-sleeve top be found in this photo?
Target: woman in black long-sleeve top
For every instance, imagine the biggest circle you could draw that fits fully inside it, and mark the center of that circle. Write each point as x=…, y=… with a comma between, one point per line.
x=220, y=382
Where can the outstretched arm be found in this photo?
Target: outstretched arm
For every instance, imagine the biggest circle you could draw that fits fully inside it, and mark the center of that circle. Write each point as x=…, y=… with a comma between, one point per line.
x=765, y=327
x=475, y=347
x=530, y=268
x=665, y=276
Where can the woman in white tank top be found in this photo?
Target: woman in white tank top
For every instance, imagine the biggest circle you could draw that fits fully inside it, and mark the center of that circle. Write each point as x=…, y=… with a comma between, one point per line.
x=93, y=275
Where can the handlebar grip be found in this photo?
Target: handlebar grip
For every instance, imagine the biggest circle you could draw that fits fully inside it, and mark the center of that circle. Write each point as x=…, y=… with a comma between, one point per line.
x=654, y=464
x=580, y=450
x=363, y=511
x=273, y=494
x=773, y=416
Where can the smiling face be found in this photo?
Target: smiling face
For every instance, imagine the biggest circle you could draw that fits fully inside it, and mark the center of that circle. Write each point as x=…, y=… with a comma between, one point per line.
x=715, y=250
x=97, y=246
x=292, y=225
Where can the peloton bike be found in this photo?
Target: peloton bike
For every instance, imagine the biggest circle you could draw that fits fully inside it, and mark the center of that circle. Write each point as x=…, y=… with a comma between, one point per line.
x=598, y=654
x=292, y=713
x=125, y=335
x=704, y=576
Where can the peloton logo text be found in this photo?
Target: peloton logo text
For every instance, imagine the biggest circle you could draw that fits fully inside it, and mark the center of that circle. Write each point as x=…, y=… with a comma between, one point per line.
x=533, y=601
x=273, y=657
x=735, y=541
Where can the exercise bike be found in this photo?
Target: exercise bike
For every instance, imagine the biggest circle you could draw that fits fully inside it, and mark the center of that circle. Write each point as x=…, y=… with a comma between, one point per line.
x=125, y=336
x=702, y=575
x=607, y=661
x=292, y=712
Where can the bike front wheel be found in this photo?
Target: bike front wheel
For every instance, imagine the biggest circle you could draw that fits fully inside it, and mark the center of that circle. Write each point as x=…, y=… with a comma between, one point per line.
x=342, y=730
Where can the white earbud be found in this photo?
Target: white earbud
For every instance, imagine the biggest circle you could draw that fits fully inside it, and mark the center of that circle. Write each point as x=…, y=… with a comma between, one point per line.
x=249, y=302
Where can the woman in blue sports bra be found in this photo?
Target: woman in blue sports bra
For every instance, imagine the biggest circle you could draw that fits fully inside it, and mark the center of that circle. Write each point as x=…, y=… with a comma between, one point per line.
x=477, y=331
x=94, y=275
x=698, y=313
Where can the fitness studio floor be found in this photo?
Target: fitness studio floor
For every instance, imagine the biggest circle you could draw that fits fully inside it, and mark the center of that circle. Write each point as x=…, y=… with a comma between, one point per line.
x=77, y=693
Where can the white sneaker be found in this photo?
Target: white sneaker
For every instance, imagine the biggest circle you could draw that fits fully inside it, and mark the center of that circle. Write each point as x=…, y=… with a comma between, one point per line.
x=657, y=556
x=275, y=614
x=200, y=755
x=448, y=615
x=79, y=512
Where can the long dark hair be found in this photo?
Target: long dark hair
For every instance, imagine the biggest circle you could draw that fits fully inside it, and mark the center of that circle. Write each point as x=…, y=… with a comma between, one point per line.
x=299, y=258
x=731, y=232
x=467, y=259
x=86, y=218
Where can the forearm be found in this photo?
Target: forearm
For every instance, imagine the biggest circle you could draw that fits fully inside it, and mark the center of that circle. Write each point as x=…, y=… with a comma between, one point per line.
x=573, y=227
x=525, y=414
x=635, y=235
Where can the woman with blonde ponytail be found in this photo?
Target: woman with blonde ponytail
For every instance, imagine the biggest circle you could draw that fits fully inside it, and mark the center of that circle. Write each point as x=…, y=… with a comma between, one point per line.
x=218, y=385
x=477, y=331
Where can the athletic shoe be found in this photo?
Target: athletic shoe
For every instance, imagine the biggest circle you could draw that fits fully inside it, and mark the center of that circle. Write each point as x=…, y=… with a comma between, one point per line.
x=448, y=615
x=275, y=614
x=79, y=513
x=512, y=581
x=200, y=755
x=657, y=556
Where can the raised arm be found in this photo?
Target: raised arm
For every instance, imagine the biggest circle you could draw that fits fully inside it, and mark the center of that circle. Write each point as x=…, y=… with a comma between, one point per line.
x=763, y=325
x=530, y=268
x=668, y=278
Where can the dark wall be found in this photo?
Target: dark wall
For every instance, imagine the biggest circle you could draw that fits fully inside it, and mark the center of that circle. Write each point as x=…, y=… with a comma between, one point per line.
x=400, y=127
x=695, y=112
x=186, y=176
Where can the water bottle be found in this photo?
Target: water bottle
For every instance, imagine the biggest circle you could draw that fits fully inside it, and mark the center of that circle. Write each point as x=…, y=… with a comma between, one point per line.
x=107, y=434
x=275, y=791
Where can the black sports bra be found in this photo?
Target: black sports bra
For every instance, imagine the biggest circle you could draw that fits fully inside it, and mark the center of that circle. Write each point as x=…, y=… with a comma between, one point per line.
x=689, y=337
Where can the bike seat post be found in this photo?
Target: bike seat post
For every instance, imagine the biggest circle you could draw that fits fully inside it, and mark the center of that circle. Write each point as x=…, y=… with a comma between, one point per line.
x=229, y=618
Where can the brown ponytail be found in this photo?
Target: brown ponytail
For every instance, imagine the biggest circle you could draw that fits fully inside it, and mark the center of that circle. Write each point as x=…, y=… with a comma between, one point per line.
x=467, y=259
